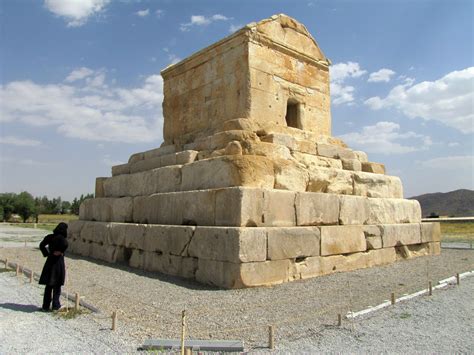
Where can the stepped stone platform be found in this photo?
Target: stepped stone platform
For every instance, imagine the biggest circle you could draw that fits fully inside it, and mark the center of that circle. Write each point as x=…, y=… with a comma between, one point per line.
x=249, y=188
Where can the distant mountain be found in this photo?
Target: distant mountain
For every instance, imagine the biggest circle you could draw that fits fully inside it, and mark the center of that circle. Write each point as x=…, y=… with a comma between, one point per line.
x=458, y=203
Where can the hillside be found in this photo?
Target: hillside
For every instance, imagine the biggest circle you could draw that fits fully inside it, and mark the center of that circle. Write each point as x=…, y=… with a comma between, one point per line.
x=458, y=203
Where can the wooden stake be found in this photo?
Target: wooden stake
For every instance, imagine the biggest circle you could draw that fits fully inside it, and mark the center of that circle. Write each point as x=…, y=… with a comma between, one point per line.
x=17, y=269
x=393, y=298
x=271, y=337
x=430, y=288
x=77, y=302
x=458, y=280
x=114, y=319
x=188, y=351
x=339, y=320
x=183, y=325
x=31, y=276
x=6, y=264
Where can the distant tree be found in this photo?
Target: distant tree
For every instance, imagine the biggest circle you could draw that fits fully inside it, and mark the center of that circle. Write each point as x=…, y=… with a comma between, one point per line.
x=76, y=203
x=66, y=207
x=25, y=205
x=7, y=205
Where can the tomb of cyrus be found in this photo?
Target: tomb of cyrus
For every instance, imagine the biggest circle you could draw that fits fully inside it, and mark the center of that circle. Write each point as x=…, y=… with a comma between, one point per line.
x=249, y=188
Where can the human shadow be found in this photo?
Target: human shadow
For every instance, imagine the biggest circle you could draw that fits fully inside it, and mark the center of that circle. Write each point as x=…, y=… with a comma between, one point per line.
x=26, y=308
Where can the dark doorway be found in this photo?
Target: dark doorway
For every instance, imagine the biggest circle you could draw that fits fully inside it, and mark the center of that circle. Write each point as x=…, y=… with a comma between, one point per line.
x=293, y=114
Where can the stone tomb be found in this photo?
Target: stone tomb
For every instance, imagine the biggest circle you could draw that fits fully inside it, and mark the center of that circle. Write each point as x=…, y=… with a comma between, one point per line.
x=249, y=188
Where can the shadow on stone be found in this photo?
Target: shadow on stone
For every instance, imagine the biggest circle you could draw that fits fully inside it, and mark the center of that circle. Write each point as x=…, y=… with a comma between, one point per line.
x=26, y=308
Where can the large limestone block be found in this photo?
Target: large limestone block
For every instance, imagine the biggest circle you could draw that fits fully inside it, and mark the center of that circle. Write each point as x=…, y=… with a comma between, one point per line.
x=330, y=181
x=145, y=165
x=117, y=186
x=158, y=152
x=392, y=211
x=361, y=156
x=107, y=209
x=97, y=232
x=342, y=240
x=166, y=208
x=170, y=264
x=121, y=169
x=165, y=179
x=229, y=244
x=239, y=206
x=137, y=259
x=400, y=234
x=314, y=161
x=430, y=232
x=128, y=235
x=83, y=248
x=306, y=268
x=353, y=210
x=198, y=207
x=74, y=228
x=186, y=157
x=227, y=171
x=269, y=150
x=383, y=256
x=313, y=209
x=293, y=242
x=172, y=240
x=231, y=275
x=334, y=151
x=99, y=187
x=290, y=175
x=375, y=168
x=221, y=139
x=279, y=208
x=351, y=164
x=282, y=139
x=376, y=185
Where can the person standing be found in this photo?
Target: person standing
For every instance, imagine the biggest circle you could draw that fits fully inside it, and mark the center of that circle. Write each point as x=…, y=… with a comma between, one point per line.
x=53, y=275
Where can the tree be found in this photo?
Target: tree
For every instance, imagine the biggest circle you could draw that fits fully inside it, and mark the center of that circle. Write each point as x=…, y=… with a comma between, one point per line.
x=7, y=205
x=25, y=205
x=76, y=203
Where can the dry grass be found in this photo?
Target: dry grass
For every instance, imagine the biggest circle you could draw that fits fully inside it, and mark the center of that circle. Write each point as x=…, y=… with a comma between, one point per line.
x=457, y=231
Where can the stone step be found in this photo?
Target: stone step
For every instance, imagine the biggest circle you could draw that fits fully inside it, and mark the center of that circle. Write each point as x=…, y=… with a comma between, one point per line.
x=249, y=171
x=242, y=257
x=242, y=206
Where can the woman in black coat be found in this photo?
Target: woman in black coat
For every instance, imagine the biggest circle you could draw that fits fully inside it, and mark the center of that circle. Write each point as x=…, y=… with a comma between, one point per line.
x=53, y=275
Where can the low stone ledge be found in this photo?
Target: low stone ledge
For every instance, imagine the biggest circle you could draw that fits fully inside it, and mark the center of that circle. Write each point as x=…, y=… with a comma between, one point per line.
x=342, y=240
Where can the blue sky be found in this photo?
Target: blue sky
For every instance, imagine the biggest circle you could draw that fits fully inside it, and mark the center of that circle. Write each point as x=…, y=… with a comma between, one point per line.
x=81, y=88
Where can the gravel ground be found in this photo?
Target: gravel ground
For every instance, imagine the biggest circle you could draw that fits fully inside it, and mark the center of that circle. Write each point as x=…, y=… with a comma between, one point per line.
x=150, y=304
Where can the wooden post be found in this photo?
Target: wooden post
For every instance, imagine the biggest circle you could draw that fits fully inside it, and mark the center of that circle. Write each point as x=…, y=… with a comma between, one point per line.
x=430, y=288
x=339, y=320
x=183, y=325
x=17, y=269
x=271, y=337
x=188, y=351
x=77, y=302
x=458, y=280
x=6, y=264
x=114, y=320
x=31, y=276
x=392, y=296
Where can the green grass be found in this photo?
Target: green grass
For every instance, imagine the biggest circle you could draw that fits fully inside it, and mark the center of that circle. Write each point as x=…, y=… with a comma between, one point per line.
x=56, y=218
x=70, y=314
x=405, y=315
x=457, y=231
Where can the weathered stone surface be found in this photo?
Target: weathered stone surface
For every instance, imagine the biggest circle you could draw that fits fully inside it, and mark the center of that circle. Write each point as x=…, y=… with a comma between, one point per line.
x=128, y=235
x=231, y=275
x=361, y=156
x=279, y=208
x=293, y=242
x=198, y=207
x=373, y=236
x=121, y=169
x=313, y=209
x=290, y=176
x=170, y=264
x=99, y=187
x=239, y=206
x=351, y=164
x=400, y=234
x=392, y=211
x=342, y=240
x=330, y=181
x=158, y=152
x=269, y=150
x=186, y=157
x=229, y=244
x=145, y=165
x=434, y=248
x=282, y=139
x=107, y=209
x=97, y=232
x=334, y=151
x=168, y=159
x=353, y=210
x=233, y=148
x=430, y=232
x=305, y=146
x=314, y=161
x=227, y=171
x=164, y=239
x=412, y=251
x=376, y=185
x=375, y=168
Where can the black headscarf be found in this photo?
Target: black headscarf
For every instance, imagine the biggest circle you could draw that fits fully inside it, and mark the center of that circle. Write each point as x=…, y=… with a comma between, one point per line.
x=61, y=228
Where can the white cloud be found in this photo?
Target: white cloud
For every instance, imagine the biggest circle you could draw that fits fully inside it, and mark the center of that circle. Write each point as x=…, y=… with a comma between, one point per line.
x=451, y=163
x=89, y=110
x=382, y=75
x=342, y=93
x=78, y=74
x=143, y=13
x=159, y=13
x=386, y=138
x=453, y=144
x=18, y=141
x=448, y=100
x=75, y=12
x=199, y=20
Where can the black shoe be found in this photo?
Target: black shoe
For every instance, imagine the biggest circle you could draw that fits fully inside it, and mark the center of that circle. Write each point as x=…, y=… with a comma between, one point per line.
x=44, y=309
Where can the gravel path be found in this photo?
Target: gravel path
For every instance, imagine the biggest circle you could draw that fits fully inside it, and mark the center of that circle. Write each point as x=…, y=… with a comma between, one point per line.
x=150, y=304
x=25, y=330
